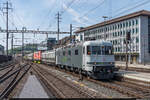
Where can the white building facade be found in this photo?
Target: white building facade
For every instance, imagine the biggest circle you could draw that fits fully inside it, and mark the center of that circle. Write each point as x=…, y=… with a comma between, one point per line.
x=138, y=24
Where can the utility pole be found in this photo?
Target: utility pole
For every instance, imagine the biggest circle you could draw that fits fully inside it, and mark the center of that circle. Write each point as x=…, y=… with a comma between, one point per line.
x=22, y=45
x=128, y=38
x=144, y=48
x=47, y=36
x=105, y=26
x=130, y=52
x=58, y=22
x=7, y=8
x=23, y=30
x=70, y=33
x=12, y=40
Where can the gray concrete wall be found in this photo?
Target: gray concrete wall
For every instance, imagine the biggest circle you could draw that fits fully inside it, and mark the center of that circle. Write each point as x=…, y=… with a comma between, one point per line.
x=144, y=56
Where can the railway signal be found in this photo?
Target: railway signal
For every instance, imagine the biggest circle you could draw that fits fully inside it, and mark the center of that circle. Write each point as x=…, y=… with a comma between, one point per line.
x=128, y=38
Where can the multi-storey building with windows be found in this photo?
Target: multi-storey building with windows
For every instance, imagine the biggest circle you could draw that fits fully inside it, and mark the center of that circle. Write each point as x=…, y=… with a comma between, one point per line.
x=115, y=30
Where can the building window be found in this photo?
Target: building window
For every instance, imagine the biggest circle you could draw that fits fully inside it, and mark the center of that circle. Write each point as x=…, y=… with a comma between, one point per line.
x=136, y=21
x=133, y=22
x=129, y=23
x=137, y=30
x=115, y=26
x=110, y=27
x=81, y=37
x=137, y=40
x=132, y=31
x=118, y=26
x=118, y=33
x=115, y=33
x=123, y=24
x=118, y=49
x=121, y=33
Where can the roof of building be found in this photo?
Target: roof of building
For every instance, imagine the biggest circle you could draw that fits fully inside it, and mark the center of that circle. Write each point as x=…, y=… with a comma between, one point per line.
x=135, y=14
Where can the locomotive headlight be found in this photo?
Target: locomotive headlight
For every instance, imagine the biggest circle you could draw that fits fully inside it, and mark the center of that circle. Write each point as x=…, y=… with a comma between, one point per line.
x=111, y=62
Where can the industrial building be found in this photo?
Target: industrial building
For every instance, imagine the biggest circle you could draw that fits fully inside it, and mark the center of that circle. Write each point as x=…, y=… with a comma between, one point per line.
x=47, y=44
x=115, y=30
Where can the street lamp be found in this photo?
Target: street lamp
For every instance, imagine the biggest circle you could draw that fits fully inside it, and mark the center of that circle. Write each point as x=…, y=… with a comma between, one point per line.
x=23, y=30
x=105, y=17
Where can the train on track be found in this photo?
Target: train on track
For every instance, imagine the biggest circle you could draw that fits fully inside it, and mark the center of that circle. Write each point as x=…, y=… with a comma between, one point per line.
x=92, y=58
x=4, y=58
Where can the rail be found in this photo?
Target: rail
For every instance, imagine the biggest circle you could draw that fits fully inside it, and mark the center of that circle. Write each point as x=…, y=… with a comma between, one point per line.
x=17, y=77
x=66, y=83
x=120, y=86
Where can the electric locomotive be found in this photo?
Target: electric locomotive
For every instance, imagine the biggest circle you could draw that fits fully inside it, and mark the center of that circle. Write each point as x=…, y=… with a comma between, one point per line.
x=93, y=58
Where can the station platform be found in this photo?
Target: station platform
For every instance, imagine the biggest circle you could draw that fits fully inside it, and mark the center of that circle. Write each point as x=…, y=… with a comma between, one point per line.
x=123, y=64
x=145, y=77
x=33, y=89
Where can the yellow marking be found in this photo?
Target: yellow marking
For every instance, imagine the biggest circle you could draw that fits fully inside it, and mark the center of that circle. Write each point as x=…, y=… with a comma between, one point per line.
x=76, y=82
x=82, y=84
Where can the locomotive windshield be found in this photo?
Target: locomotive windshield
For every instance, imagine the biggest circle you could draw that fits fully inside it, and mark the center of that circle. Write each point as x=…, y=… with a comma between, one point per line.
x=99, y=50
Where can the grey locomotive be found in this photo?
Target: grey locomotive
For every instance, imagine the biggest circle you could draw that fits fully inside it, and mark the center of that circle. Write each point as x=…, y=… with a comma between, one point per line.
x=93, y=58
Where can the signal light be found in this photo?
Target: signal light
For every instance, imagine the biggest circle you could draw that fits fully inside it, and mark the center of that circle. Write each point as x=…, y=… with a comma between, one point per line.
x=128, y=36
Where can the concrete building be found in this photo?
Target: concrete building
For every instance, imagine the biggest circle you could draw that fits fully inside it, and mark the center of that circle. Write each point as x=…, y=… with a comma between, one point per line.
x=114, y=30
x=47, y=44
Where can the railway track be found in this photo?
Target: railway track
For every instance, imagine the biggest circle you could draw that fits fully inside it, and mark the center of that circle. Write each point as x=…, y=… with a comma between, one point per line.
x=127, y=87
x=8, y=83
x=6, y=71
x=7, y=66
x=63, y=88
x=135, y=69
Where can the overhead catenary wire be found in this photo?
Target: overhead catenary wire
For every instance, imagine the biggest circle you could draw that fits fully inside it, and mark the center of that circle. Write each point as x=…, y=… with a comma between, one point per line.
x=127, y=10
x=69, y=5
x=47, y=15
x=88, y=12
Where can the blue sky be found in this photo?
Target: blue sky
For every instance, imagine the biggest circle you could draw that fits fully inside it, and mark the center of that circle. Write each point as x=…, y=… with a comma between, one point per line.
x=40, y=14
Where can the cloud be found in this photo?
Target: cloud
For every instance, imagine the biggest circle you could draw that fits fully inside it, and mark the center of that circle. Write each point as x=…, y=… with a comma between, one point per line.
x=76, y=15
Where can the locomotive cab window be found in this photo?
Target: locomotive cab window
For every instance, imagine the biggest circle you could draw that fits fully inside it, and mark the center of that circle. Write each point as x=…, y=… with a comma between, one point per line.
x=88, y=50
x=96, y=50
x=108, y=50
x=69, y=52
x=76, y=52
x=103, y=50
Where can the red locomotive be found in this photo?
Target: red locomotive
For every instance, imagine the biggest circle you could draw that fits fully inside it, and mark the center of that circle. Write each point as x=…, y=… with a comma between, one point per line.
x=37, y=57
